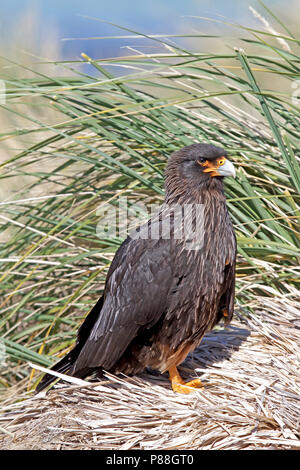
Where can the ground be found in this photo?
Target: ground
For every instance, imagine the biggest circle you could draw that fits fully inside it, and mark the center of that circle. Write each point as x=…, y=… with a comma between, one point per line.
x=250, y=401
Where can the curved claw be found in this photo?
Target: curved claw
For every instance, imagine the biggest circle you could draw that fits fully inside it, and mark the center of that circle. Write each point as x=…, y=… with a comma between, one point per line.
x=178, y=384
x=187, y=387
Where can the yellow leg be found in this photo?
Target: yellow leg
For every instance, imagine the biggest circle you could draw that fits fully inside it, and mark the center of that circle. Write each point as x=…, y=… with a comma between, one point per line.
x=178, y=384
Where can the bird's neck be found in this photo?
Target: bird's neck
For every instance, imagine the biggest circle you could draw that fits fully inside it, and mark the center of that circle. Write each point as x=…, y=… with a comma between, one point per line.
x=199, y=214
x=209, y=191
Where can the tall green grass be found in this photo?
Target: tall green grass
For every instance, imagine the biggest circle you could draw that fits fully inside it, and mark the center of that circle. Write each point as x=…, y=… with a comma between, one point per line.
x=111, y=136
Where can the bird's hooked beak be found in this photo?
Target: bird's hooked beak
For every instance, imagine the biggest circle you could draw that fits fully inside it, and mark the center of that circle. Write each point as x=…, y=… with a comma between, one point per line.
x=227, y=169
x=222, y=167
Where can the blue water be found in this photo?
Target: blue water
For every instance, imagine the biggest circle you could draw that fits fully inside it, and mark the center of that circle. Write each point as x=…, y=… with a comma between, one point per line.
x=66, y=17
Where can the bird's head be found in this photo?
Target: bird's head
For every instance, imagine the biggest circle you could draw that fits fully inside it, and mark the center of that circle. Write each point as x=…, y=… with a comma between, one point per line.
x=197, y=165
x=202, y=161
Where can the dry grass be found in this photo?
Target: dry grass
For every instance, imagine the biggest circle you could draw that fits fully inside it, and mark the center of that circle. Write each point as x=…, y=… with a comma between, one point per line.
x=250, y=401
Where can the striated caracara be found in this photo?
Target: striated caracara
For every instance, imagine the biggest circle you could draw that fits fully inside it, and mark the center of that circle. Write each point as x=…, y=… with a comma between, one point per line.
x=170, y=282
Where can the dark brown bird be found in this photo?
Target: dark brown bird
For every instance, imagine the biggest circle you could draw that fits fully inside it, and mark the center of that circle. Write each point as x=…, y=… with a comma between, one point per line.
x=167, y=285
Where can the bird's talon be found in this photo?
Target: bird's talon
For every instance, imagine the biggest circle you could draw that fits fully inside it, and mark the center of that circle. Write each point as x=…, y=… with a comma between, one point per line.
x=178, y=384
x=187, y=387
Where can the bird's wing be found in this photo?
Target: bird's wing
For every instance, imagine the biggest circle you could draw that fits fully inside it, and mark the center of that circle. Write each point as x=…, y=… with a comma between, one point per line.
x=135, y=296
x=226, y=304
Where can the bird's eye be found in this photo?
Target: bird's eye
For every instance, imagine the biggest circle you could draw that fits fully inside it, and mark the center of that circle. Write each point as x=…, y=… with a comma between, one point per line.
x=201, y=160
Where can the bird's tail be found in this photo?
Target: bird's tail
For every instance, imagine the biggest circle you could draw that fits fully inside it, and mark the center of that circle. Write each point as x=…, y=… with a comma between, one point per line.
x=63, y=366
x=67, y=364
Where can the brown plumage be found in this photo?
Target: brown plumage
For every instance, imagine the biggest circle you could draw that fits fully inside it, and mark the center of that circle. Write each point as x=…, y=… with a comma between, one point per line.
x=164, y=291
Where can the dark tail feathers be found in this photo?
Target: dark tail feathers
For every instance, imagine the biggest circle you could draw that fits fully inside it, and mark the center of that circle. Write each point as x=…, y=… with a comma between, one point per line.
x=63, y=366
x=66, y=363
